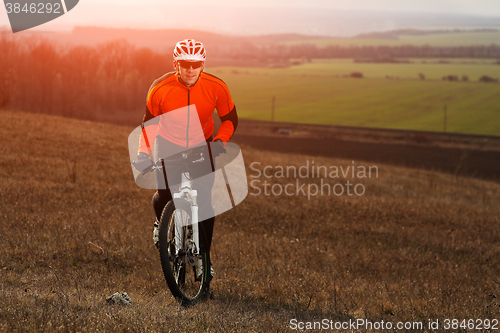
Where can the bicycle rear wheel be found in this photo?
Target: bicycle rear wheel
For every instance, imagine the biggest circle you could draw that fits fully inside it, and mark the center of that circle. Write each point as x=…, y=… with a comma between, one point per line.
x=180, y=266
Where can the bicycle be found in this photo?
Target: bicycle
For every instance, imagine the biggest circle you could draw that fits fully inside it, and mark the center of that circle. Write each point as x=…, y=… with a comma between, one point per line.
x=187, y=271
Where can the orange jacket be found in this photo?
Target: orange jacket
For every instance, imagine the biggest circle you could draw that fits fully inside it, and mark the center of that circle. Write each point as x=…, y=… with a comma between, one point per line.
x=183, y=115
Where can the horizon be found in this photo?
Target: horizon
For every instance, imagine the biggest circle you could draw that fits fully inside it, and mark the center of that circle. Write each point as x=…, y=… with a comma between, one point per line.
x=430, y=30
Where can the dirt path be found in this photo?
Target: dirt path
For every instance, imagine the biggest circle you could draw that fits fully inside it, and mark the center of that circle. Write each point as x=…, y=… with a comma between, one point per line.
x=462, y=161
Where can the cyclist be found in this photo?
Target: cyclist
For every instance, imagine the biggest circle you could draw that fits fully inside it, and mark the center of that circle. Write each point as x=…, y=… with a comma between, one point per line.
x=192, y=92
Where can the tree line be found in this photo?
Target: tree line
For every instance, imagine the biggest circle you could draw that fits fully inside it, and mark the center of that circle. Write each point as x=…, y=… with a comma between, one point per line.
x=311, y=51
x=109, y=82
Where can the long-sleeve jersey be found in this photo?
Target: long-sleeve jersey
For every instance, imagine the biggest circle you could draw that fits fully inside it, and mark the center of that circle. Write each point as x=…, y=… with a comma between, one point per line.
x=184, y=115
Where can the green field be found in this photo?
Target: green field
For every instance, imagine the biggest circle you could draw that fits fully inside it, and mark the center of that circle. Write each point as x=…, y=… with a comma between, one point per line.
x=319, y=93
x=434, y=39
x=432, y=68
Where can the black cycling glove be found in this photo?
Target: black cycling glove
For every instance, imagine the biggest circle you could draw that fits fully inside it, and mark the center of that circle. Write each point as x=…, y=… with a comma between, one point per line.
x=217, y=148
x=142, y=162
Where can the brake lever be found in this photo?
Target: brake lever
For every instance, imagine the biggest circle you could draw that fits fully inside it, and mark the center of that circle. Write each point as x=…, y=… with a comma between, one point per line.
x=201, y=159
x=155, y=166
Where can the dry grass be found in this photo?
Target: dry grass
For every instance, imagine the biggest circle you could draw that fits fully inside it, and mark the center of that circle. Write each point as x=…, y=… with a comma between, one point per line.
x=75, y=229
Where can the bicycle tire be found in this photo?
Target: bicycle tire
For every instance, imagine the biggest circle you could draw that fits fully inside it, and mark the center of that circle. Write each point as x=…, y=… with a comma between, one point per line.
x=180, y=275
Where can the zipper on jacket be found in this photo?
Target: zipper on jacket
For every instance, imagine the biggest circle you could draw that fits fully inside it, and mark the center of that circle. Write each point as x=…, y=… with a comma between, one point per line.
x=187, y=127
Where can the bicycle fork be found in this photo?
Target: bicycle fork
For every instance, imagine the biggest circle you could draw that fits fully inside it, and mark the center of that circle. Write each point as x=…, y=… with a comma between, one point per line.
x=180, y=224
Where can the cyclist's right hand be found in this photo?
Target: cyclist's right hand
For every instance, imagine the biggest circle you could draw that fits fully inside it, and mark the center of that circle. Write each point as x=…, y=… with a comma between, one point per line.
x=143, y=162
x=217, y=148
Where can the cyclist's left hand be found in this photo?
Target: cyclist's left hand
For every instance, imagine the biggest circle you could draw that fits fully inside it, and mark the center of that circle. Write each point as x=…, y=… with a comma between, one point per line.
x=217, y=147
x=143, y=162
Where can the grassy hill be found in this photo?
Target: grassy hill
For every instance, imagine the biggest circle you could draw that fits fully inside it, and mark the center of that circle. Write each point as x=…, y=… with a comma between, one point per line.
x=75, y=228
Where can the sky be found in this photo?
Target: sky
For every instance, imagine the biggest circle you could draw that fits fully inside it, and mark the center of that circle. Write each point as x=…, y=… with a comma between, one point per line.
x=312, y=17
x=475, y=7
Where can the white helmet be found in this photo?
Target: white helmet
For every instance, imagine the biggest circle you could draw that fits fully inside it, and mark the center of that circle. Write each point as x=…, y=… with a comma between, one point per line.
x=189, y=49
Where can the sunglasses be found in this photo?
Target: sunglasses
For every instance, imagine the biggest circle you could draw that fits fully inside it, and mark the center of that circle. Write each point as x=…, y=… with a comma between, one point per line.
x=186, y=64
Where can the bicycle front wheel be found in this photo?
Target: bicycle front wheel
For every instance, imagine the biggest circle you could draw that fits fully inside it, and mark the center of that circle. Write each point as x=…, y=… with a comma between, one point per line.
x=187, y=274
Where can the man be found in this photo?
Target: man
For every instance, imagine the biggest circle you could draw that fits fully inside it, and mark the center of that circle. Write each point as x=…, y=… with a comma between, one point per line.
x=178, y=116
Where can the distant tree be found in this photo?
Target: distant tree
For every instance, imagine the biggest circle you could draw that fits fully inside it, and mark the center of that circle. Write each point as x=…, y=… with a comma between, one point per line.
x=421, y=76
x=465, y=78
x=9, y=61
x=487, y=79
x=357, y=75
x=78, y=69
x=115, y=58
x=6, y=87
x=42, y=70
x=150, y=64
x=450, y=78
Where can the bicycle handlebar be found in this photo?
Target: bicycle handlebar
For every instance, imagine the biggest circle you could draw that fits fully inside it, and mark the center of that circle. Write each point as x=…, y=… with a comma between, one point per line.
x=185, y=158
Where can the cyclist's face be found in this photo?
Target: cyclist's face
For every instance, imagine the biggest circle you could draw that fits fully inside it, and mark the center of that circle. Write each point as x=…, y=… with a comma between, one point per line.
x=187, y=71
